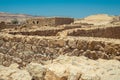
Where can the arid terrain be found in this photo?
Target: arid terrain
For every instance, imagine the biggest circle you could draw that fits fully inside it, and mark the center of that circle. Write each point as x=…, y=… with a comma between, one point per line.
x=59, y=48
x=7, y=17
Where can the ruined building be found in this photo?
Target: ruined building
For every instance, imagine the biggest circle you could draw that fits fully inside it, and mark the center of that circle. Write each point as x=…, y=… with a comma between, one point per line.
x=2, y=25
x=49, y=21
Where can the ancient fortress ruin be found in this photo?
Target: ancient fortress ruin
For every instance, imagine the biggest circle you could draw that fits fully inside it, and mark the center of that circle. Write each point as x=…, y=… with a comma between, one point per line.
x=43, y=40
x=49, y=21
x=67, y=38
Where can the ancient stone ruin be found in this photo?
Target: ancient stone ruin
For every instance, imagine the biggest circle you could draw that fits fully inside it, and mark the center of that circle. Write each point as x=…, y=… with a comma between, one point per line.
x=59, y=49
x=49, y=21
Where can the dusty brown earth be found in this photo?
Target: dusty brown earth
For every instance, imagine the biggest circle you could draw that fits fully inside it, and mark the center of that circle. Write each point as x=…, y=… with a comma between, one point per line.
x=76, y=51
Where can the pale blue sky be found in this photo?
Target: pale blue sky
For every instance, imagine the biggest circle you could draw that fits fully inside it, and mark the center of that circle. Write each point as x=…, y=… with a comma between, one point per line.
x=68, y=8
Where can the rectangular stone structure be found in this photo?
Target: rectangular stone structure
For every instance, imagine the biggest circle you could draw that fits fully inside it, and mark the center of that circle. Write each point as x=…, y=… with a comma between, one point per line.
x=55, y=21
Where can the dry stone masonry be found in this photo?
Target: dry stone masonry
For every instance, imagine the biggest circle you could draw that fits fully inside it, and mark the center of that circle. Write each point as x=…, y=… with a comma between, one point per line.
x=109, y=32
x=60, y=49
x=32, y=48
x=50, y=21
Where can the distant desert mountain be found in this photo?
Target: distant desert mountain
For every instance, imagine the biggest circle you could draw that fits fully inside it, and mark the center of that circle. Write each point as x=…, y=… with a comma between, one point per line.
x=98, y=19
x=7, y=17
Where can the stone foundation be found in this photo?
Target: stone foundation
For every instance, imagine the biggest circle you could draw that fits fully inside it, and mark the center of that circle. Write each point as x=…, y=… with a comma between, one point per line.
x=49, y=21
x=38, y=32
x=32, y=48
x=109, y=32
x=43, y=32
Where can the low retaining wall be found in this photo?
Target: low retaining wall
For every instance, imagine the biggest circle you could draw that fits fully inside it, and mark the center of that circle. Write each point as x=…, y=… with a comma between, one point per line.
x=31, y=48
x=6, y=26
x=109, y=32
x=49, y=32
x=39, y=33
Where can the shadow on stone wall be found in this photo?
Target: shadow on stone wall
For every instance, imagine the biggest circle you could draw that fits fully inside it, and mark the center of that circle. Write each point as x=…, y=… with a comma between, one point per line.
x=110, y=32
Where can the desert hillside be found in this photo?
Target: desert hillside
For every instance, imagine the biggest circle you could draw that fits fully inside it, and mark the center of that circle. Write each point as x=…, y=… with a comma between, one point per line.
x=99, y=19
x=7, y=17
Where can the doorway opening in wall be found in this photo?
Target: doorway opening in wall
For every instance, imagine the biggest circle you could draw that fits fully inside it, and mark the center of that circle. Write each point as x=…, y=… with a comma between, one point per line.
x=33, y=22
x=37, y=22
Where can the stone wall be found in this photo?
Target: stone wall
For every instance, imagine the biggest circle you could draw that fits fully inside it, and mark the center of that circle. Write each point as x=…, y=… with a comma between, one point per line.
x=110, y=32
x=46, y=32
x=31, y=48
x=61, y=21
x=41, y=22
x=49, y=21
x=39, y=32
x=3, y=25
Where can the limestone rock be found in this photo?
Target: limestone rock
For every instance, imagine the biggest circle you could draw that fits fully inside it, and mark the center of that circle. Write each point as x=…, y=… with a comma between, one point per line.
x=90, y=77
x=52, y=76
x=82, y=68
x=72, y=43
x=14, y=65
x=59, y=43
x=11, y=73
x=37, y=71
